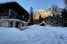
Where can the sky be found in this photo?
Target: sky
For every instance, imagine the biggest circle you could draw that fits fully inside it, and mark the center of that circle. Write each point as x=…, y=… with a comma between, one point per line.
x=36, y=4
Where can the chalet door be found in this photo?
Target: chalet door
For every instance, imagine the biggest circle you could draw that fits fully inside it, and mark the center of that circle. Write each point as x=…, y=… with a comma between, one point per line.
x=17, y=24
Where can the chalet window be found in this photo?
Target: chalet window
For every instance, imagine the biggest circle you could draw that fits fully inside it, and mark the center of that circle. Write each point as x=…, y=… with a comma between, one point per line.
x=3, y=11
x=12, y=14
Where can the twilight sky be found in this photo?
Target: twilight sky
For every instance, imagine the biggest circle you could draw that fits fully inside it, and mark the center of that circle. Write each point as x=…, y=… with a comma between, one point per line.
x=37, y=3
x=40, y=3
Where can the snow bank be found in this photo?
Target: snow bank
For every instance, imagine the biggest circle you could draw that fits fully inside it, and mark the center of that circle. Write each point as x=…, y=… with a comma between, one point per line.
x=34, y=35
x=8, y=29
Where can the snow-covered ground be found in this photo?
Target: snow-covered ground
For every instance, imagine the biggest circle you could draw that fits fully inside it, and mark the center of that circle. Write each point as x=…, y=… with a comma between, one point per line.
x=34, y=34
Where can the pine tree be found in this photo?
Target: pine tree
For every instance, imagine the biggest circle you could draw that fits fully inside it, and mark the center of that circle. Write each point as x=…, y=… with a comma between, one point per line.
x=64, y=14
x=31, y=15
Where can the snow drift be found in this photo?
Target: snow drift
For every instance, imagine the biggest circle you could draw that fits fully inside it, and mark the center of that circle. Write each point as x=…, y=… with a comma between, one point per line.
x=35, y=34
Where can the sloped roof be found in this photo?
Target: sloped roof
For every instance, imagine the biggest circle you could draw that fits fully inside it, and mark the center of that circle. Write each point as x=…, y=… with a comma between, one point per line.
x=14, y=6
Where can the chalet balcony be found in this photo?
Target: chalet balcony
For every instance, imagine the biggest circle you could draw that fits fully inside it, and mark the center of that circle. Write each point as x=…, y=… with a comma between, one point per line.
x=12, y=23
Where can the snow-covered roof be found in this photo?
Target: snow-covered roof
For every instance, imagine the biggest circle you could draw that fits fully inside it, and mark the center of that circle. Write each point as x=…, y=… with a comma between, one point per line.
x=4, y=1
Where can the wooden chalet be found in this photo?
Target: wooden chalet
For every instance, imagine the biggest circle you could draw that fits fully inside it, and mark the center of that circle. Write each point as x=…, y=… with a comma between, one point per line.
x=14, y=10
x=12, y=15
